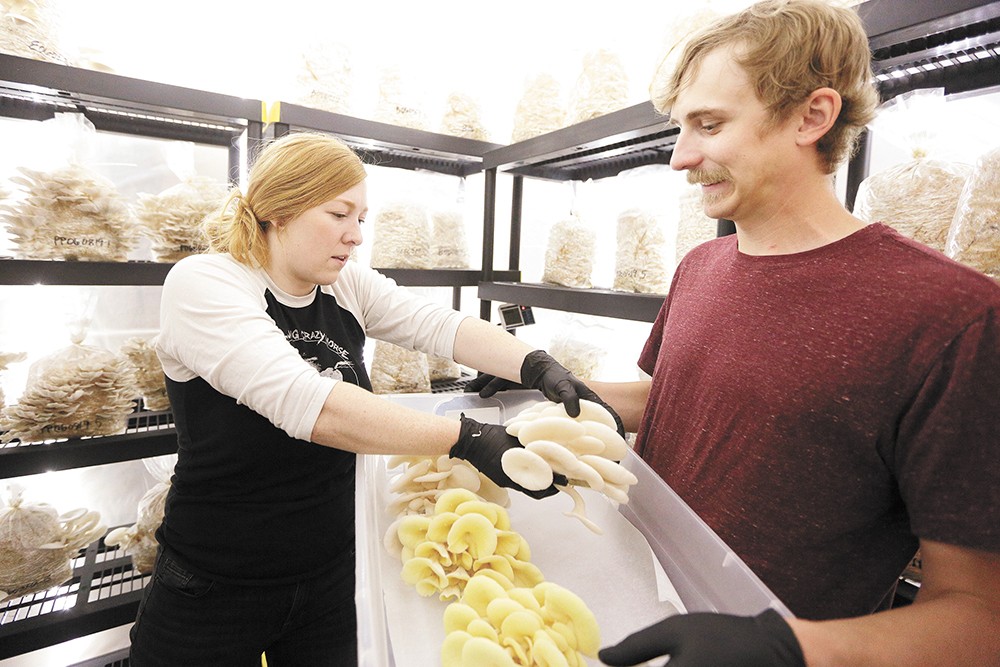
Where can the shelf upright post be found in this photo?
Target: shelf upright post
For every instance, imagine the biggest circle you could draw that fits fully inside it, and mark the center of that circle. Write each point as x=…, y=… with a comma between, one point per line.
x=489, y=229
x=517, y=195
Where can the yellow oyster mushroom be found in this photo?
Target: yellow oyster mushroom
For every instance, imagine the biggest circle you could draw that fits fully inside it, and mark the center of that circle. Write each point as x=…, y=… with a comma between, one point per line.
x=497, y=563
x=567, y=632
x=559, y=640
x=480, y=590
x=439, y=525
x=457, y=616
x=564, y=606
x=481, y=628
x=519, y=647
x=524, y=623
x=427, y=576
x=545, y=652
x=451, y=648
x=497, y=515
x=498, y=577
x=433, y=551
x=499, y=608
x=473, y=533
x=481, y=652
x=452, y=498
x=525, y=573
x=412, y=530
x=525, y=597
x=508, y=542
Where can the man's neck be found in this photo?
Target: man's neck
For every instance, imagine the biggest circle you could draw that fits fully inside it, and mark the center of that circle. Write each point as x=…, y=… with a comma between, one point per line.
x=801, y=222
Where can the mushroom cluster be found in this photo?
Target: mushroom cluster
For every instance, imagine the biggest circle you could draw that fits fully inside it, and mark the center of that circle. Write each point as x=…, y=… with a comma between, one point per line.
x=149, y=378
x=423, y=480
x=172, y=219
x=69, y=213
x=504, y=626
x=80, y=390
x=585, y=449
x=139, y=539
x=465, y=535
x=37, y=544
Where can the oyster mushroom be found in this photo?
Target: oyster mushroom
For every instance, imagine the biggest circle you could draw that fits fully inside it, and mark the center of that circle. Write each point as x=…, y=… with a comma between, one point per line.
x=527, y=468
x=473, y=533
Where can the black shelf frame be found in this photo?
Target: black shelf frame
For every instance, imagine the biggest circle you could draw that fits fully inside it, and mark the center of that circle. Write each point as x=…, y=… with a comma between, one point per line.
x=598, y=148
x=594, y=301
x=915, y=44
x=37, y=90
x=147, y=434
x=383, y=144
x=104, y=591
x=58, y=272
x=953, y=45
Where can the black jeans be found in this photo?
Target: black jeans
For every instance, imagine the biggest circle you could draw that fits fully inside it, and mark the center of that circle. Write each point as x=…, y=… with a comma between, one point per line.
x=185, y=619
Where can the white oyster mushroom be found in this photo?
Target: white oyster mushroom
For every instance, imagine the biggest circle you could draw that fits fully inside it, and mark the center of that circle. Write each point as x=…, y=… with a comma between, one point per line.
x=527, y=468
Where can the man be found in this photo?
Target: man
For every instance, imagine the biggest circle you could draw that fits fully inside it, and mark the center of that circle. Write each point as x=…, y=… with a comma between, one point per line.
x=825, y=394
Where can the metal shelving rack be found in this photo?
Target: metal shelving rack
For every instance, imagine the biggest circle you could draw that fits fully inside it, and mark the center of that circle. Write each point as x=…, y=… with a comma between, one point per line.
x=598, y=148
x=387, y=145
x=104, y=590
x=915, y=44
x=37, y=90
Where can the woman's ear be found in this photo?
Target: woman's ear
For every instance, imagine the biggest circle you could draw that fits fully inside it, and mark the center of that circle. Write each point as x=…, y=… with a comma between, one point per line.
x=819, y=113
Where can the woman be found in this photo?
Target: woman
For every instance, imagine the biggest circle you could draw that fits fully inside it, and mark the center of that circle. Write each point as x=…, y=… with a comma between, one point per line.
x=261, y=342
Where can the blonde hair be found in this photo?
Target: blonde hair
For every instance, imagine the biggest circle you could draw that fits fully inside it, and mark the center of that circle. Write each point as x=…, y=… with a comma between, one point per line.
x=790, y=48
x=290, y=175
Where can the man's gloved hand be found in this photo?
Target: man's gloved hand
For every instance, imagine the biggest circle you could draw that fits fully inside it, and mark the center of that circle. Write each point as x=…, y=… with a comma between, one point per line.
x=712, y=640
x=540, y=371
x=482, y=445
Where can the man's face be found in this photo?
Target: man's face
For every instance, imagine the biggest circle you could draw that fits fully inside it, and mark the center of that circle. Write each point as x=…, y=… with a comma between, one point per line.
x=727, y=143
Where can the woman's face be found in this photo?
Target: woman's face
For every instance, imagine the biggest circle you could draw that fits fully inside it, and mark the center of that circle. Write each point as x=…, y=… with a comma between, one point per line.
x=312, y=248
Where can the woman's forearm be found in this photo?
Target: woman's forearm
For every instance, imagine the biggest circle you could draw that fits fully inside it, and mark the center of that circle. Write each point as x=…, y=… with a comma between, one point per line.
x=355, y=420
x=490, y=349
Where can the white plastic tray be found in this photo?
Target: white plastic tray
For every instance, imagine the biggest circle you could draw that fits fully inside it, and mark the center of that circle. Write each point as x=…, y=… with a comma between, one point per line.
x=618, y=574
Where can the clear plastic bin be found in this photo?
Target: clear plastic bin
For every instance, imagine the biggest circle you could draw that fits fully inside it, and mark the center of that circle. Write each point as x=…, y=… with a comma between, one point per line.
x=705, y=573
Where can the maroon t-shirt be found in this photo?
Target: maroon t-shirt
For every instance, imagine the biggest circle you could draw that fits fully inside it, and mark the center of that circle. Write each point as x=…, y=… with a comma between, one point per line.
x=822, y=410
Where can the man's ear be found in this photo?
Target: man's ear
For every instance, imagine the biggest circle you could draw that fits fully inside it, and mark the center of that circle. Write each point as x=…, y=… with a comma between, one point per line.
x=819, y=113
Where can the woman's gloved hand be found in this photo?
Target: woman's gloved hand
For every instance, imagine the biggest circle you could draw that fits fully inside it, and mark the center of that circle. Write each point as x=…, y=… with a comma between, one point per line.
x=711, y=640
x=540, y=371
x=482, y=445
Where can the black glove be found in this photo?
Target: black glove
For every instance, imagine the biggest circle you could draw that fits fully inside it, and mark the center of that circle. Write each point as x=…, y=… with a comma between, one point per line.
x=482, y=445
x=540, y=371
x=712, y=640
